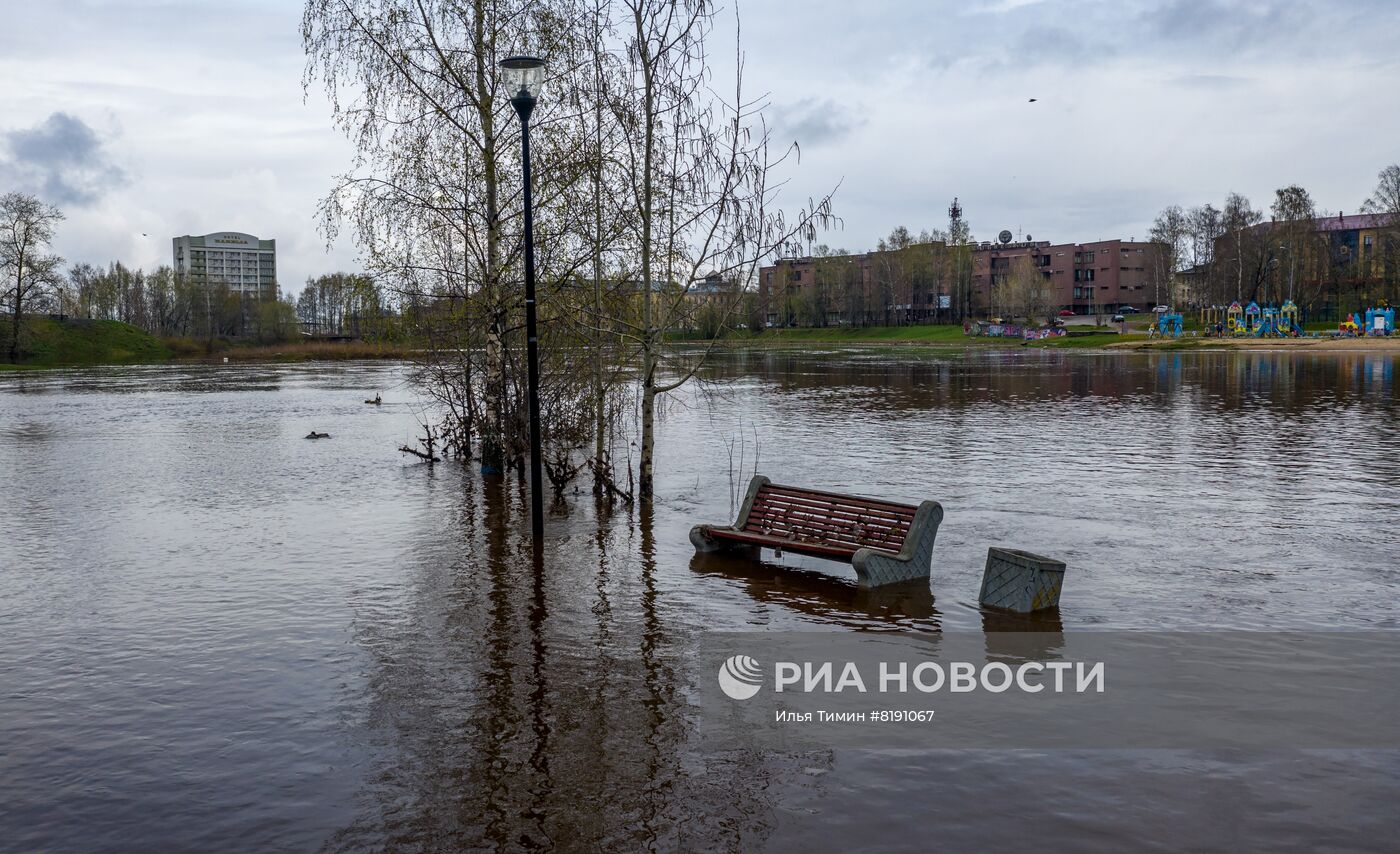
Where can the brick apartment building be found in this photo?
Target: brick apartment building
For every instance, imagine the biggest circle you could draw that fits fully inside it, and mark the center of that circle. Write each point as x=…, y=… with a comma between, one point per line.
x=1105, y=275
x=1102, y=276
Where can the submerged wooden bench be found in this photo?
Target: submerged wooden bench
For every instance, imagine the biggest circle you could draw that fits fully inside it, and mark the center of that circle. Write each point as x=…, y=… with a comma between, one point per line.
x=885, y=541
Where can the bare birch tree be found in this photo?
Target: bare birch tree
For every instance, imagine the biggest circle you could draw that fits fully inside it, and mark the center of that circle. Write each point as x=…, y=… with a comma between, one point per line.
x=28, y=268
x=699, y=186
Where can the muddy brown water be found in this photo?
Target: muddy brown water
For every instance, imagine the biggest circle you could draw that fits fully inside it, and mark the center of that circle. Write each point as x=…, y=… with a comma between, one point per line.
x=217, y=635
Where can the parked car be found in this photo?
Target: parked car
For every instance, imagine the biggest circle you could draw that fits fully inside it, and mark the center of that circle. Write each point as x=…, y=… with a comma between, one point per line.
x=1064, y=312
x=1118, y=318
x=1161, y=309
x=1127, y=309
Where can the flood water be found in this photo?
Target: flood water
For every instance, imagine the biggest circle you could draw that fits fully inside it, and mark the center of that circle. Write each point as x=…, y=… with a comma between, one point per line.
x=216, y=635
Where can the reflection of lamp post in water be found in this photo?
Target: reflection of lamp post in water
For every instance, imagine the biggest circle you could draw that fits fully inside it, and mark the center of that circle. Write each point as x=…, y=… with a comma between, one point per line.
x=524, y=74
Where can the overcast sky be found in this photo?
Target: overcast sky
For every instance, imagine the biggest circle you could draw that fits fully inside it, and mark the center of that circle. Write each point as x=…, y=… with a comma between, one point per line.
x=147, y=119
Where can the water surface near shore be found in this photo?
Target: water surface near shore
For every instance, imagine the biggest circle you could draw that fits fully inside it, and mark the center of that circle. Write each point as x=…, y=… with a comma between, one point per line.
x=218, y=634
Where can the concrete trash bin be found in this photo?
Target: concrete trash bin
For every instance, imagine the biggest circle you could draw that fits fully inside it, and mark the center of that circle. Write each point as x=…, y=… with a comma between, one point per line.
x=1020, y=581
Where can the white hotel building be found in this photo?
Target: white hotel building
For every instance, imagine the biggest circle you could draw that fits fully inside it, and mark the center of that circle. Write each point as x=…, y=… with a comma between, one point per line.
x=246, y=264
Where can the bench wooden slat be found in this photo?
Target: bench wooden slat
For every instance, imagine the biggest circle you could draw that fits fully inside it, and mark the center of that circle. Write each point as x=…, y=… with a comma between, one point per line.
x=767, y=516
x=799, y=491
x=886, y=511
x=796, y=517
x=812, y=532
x=842, y=515
x=848, y=519
x=820, y=549
x=839, y=515
x=846, y=513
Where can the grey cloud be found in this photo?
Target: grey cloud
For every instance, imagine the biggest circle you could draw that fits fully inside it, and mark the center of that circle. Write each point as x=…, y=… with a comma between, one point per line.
x=1053, y=45
x=1209, y=81
x=1242, y=25
x=61, y=159
x=814, y=122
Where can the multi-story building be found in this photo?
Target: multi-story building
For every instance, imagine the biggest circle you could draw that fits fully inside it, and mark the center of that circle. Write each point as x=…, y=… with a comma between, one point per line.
x=1103, y=276
x=247, y=264
x=919, y=283
x=1340, y=262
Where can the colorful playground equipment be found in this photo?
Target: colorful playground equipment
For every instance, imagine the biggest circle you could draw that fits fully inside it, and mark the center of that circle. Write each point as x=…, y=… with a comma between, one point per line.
x=1234, y=319
x=1268, y=324
x=1285, y=321
x=1375, y=322
x=1168, y=325
x=1380, y=321
x=1252, y=314
x=1282, y=322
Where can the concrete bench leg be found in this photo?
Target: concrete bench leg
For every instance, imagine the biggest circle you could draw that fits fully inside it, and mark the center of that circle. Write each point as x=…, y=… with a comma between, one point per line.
x=914, y=561
x=705, y=544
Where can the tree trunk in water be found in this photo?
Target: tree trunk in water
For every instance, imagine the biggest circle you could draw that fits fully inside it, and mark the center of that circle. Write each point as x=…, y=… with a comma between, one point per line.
x=495, y=404
x=644, y=467
x=600, y=395
x=645, y=481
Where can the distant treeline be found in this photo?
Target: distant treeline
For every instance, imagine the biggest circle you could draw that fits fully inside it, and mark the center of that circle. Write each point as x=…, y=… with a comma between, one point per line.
x=170, y=305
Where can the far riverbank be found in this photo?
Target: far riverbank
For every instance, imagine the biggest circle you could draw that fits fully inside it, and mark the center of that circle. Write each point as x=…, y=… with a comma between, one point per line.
x=54, y=343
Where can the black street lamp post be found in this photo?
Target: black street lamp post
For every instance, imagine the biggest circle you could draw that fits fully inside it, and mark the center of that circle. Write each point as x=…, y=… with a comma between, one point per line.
x=523, y=74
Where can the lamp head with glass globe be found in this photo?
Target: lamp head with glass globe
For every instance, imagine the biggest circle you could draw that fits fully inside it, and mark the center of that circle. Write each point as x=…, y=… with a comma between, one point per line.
x=523, y=76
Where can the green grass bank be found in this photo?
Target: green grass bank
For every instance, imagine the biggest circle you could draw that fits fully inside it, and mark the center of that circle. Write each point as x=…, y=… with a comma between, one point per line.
x=947, y=336
x=49, y=342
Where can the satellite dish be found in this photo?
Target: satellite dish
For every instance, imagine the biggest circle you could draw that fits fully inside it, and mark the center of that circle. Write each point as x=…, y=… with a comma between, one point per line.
x=1005, y=236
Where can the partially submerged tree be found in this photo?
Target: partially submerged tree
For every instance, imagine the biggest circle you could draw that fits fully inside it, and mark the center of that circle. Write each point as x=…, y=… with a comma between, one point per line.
x=698, y=182
x=645, y=182
x=413, y=84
